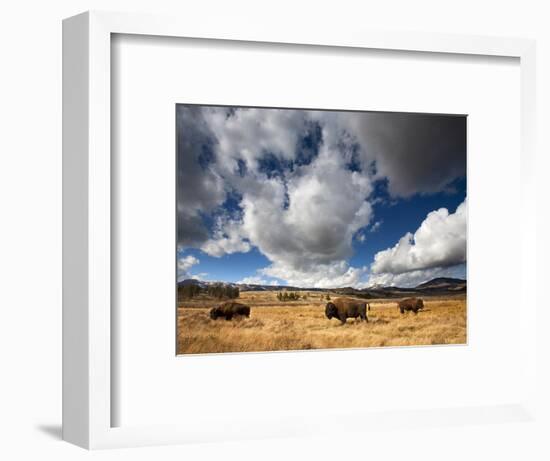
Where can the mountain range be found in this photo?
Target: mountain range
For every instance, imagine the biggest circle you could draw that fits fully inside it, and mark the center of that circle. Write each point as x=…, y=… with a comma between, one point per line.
x=437, y=286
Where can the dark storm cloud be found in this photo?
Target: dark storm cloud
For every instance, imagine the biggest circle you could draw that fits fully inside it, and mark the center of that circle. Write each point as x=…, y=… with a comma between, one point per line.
x=199, y=189
x=191, y=230
x=418, y=154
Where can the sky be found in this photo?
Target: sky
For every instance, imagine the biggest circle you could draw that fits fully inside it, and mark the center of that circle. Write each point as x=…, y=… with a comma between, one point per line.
x=322, y=199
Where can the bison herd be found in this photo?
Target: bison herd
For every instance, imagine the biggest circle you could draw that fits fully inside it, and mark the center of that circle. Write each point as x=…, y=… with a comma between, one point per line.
x=341, y=308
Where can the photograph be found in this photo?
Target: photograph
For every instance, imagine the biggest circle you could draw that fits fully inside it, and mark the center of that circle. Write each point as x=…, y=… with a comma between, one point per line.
x=304, y=229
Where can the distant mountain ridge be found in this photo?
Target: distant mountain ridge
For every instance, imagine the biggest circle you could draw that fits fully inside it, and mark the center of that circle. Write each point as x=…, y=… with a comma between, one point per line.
x=441, y=282
x=436, y=286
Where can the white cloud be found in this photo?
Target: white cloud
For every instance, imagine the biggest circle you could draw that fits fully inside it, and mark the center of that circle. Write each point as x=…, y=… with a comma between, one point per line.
x=247, y=134
x=440, y=241
x=308, y=222
x=185, y=264
x=375, y=226
x=413, y=278
x=257, y=280
x=227, y=238
x=300, y=220
x=338, y=274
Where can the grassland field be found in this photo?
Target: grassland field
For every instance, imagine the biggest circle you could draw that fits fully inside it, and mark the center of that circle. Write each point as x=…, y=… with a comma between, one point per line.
x=299, y=325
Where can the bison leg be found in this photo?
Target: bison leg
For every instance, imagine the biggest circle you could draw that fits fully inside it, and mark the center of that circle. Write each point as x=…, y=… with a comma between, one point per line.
x=402, y=310
x=343, y=319
x=228, y=316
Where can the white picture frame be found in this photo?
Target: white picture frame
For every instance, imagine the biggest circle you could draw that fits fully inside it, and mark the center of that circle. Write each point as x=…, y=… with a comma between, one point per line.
x=87, y=359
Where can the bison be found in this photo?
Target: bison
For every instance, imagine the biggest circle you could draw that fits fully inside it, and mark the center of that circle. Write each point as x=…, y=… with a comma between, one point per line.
x=411, y=304
x=344, y=308
x=228, y=310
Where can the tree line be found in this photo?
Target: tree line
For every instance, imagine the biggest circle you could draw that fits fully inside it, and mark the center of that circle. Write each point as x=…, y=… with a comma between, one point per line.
x=295, y=296
x=291, y=296
x=217, y=290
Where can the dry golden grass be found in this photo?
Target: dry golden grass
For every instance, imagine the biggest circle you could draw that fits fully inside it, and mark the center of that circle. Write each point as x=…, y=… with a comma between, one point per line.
x=275, y=326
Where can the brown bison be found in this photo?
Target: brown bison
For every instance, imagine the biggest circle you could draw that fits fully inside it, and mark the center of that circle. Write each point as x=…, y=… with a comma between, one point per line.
x=411, y=304
x=228, y=310
x=344, y=308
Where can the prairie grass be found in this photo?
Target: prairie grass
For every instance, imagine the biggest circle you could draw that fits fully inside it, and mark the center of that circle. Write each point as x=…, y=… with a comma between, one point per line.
x=301, y=325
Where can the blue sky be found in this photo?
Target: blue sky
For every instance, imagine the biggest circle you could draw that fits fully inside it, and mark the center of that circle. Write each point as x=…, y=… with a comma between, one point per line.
x=320, y=198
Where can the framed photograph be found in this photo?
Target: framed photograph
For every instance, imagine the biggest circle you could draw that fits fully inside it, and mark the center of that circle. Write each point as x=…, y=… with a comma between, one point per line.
x=287, y=218
x=281, y=214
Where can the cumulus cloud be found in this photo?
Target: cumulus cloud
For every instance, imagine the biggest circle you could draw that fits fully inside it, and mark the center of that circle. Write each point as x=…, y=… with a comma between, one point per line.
x=185, y=263
x=257, y=280
x=301, y=220
x=228, y=238
x=312, y=218
x=440, y=241
x=213, y=144
x=305, y=225
x=248, y=134
x=338, y=274
x=414, y=278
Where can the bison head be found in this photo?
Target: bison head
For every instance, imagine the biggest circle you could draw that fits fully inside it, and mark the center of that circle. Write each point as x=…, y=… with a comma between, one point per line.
x=214, y=313
x=331, y=310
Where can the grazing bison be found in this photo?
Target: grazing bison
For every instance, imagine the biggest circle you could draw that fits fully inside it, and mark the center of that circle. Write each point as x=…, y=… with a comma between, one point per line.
x=344, y=308
x=411, y=304
x=228, y=310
